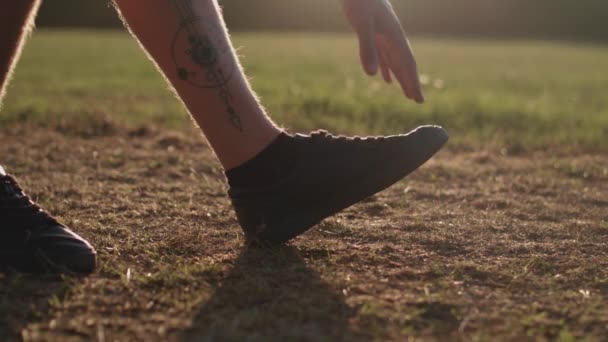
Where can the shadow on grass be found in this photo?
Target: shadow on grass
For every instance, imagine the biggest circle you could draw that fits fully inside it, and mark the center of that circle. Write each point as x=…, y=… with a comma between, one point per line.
x=26, y=299
x=272, y=295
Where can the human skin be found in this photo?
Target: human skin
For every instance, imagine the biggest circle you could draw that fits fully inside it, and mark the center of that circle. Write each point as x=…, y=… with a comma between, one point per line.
x=189, y=43
x=383, y=44
x=15, y=24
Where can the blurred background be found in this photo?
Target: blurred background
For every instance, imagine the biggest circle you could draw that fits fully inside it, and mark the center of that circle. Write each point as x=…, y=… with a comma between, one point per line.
x=555, y=19
x=514, y=75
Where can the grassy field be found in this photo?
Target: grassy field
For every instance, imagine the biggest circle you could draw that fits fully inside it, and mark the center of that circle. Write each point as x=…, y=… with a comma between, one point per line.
x=502, y=236
x=507, y=93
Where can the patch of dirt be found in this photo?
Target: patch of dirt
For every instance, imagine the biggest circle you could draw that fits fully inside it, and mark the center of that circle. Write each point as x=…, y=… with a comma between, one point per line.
x=472, y=246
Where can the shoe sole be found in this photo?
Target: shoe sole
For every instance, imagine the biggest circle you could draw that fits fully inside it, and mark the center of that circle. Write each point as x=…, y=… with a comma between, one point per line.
x=36, y=262
x=81, y=264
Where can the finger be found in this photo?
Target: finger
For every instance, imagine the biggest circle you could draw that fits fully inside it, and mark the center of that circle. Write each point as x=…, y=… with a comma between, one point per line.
x=408, y=74
x=367, y=48
x=414, y=85
x=419, y=96
x=410, y=84
x=402, y=62
x=411, y=73
x=398, y=66
x=384, y=66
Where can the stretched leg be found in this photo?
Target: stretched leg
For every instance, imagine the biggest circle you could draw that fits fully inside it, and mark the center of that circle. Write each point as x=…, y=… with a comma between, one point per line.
x=311, y=177
x=15, y=24
x=189, y=43
x=30, y=239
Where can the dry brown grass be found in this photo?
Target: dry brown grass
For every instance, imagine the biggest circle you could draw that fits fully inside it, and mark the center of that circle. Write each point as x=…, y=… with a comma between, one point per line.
x=476, y=245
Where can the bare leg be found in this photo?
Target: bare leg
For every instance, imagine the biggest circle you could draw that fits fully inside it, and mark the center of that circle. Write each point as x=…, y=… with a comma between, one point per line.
x=15, y=23
x=188, y=41
x=16, y=20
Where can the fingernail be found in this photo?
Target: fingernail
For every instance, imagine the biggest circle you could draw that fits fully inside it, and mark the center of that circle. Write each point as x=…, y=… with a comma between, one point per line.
x=420, y=99
x=371, y=68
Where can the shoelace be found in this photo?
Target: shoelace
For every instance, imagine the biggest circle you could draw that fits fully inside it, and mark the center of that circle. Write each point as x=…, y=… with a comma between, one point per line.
x=16, y=208
x=323, y=135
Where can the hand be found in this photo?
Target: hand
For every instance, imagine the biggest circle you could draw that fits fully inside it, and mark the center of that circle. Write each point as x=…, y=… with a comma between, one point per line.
x=383, y=44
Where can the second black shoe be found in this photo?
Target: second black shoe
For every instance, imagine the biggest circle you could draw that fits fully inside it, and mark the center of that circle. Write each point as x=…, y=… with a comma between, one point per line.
x=32, y=241
x=330, y=174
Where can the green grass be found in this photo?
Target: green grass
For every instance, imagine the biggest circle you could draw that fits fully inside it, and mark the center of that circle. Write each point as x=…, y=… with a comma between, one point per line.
x=514, y=94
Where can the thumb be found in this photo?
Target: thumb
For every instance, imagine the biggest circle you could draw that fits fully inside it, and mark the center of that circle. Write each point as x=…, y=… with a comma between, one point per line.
x=367, y=48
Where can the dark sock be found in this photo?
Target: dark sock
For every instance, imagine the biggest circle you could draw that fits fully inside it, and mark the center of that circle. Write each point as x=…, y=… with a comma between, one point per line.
x=268, y=166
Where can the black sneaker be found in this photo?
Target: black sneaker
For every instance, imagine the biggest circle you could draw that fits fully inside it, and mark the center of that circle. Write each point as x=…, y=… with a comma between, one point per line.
x=331, y=174
x=32, y=241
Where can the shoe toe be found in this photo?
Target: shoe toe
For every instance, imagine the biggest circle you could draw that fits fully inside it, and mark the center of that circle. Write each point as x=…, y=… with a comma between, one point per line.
x=433, y=136
x=62, y=250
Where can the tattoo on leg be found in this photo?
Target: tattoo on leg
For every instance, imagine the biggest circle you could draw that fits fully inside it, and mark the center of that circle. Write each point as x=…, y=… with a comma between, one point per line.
x=197, y=57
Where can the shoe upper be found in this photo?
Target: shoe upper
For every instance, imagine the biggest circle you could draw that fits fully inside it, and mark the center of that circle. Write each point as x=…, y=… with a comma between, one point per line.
x=33, y=241
x=331, y=173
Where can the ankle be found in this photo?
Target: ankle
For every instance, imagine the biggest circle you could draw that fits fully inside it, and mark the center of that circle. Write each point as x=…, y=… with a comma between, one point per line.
x=269, y=165
x=234, y=148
